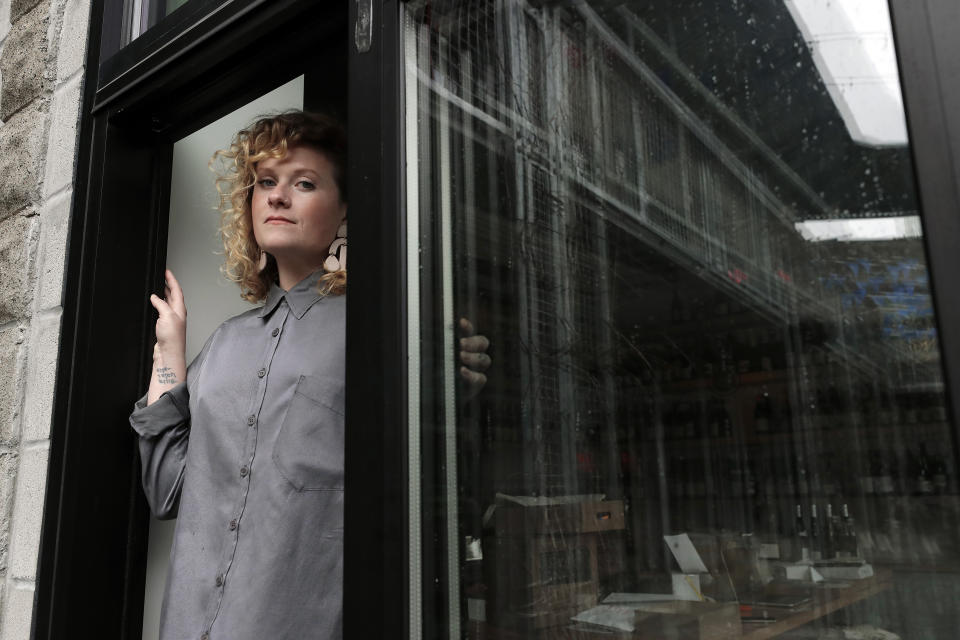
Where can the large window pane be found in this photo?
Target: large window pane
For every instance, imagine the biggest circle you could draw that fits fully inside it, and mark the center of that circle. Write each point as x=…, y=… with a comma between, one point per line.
x=716, y=407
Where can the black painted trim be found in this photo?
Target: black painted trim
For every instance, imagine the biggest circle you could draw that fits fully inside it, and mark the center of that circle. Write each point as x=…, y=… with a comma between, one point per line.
x=929, y=57
x=205, y=36
x=375, y=547
x=116, y=56
x=93, y=544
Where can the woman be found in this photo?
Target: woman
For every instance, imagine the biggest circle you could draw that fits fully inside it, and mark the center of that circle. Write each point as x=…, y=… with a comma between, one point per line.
x=245, y=447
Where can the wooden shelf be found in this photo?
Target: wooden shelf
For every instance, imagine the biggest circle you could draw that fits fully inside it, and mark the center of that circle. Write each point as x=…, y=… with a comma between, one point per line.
x=825, y=602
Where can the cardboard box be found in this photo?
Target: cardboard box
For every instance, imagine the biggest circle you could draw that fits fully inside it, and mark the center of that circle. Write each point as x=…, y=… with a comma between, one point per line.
x=543, y=565
x=689, y=621
x=573, y=518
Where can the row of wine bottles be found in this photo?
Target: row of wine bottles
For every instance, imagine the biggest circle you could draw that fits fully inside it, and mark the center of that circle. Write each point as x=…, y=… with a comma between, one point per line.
x=689, y=419
x=826, y=535
x=910, y=471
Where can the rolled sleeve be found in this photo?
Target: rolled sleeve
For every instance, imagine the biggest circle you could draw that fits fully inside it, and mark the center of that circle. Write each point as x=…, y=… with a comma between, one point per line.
x=171, y=409
x=164, y=431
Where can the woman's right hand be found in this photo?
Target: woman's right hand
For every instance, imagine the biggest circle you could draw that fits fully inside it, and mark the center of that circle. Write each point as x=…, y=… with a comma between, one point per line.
x=172, y=320
x=169, y=353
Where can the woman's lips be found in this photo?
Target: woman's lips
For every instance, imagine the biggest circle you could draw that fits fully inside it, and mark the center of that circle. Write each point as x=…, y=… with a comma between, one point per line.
x=277, y=220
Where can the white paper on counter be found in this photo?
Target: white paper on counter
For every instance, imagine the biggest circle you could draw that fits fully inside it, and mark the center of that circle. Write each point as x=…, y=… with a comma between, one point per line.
x=610, y=616
x=685, y=553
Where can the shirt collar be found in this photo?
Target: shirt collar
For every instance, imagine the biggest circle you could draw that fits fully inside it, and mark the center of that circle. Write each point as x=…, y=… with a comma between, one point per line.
x=300, y=297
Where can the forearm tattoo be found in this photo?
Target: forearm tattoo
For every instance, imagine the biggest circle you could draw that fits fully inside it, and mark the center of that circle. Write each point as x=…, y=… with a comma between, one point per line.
x=165, y=375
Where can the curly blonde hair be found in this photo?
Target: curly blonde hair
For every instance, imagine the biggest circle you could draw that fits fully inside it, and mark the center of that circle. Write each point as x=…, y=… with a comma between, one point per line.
x=270, y=137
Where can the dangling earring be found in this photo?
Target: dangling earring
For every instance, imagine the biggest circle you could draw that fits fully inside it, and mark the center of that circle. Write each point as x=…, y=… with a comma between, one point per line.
x=337, y=260
x=263, y=261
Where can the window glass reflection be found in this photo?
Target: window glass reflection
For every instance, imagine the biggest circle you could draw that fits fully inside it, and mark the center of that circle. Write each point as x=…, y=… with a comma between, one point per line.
x=140, y=15
x=716, y=408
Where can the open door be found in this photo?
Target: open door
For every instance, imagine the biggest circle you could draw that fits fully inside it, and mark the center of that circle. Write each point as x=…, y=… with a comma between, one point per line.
x=150, y=103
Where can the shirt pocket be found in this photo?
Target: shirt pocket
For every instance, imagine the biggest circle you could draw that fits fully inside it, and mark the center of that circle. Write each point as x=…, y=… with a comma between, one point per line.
x=308, y=451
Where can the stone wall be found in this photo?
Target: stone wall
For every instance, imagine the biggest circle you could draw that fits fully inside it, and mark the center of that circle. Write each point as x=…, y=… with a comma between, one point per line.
x=42, y=50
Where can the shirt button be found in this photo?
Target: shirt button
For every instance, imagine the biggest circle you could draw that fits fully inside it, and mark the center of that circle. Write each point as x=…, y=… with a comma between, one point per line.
x=220, y=580
x=233, y=525
x=275, y=333
x=251, y=419
x=243, y=472
x=262, y=372
x=204, y=636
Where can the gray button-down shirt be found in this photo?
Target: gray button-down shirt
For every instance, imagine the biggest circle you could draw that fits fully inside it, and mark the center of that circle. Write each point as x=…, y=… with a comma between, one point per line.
x=248, y=455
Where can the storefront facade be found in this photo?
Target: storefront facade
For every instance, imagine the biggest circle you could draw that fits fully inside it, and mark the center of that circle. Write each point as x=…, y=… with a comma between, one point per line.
x=712, y=248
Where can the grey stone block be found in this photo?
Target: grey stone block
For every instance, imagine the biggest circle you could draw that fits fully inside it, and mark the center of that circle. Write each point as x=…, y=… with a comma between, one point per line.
x=17, y=612
x=11, y=340
x=20, y=7
x=8, y=476
x=54, y=228
x=4, y=19
x=21, y=148
x=73, y=38
x=62, y=138
x=15, y=286
x=28, y=514
x=24, y=60
x=41, y=377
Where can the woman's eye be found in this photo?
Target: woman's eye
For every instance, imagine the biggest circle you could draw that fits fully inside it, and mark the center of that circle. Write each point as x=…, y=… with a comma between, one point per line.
x=266, y=182
x=305, y=184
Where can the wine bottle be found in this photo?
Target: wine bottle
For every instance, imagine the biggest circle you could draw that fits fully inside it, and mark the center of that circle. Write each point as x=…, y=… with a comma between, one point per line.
x=761, y=412
x=924, y=475
x=939, y=475
x=884, y=484
x=801, y=536
x=849, y=546
x=830, y=534
x=720, y=425
x=816, y=535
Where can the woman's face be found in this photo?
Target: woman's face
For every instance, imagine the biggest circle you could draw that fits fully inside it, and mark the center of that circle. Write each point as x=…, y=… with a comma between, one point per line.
x=296, y=206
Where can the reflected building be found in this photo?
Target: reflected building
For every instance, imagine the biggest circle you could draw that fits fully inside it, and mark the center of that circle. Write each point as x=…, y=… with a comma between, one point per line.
x=626, y=193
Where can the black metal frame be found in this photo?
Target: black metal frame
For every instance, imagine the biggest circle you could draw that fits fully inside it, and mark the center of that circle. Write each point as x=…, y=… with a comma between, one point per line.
x=375, y=544
x=116, y=57
x=928, y=53
x=93, y=543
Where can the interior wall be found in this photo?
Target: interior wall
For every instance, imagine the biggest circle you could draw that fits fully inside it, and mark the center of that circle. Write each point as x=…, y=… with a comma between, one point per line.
x=194, y=255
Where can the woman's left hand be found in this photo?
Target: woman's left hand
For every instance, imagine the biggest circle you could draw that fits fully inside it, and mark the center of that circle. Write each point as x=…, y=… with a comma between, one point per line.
x=473, y=358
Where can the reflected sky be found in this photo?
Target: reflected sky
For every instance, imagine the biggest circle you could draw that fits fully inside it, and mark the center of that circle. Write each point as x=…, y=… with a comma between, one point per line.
x=861, y=229
x=852, y=46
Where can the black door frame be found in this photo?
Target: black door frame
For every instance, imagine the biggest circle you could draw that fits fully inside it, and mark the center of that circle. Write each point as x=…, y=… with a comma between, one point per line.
x=93, y=543
x=376, y=525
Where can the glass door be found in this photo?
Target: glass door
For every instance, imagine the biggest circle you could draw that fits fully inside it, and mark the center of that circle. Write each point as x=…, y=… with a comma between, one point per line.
x=194, y=254
x=716, y=406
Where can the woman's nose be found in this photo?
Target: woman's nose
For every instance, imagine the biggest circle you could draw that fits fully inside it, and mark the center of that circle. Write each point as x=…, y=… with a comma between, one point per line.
x=278, y=198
